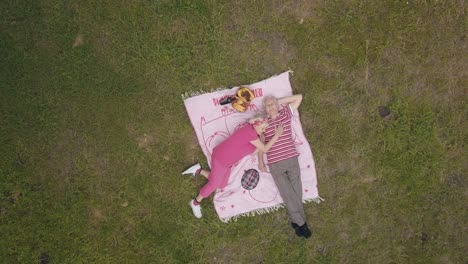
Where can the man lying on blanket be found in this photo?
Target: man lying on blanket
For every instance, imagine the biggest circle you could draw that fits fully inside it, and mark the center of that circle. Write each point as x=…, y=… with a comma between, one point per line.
x=283, y=161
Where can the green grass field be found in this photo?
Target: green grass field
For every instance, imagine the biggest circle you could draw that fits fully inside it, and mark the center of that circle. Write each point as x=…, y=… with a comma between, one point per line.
x=94, y=134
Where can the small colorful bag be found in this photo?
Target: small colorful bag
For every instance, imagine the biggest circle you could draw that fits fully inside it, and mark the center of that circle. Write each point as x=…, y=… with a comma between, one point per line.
x=241, y=100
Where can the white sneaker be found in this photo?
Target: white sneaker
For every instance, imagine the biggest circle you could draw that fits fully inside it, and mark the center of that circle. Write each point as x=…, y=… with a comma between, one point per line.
x=196, y=209
x=192, y=170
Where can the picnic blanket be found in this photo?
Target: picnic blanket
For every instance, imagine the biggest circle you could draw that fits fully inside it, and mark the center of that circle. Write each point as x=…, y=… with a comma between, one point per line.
x=253, y=192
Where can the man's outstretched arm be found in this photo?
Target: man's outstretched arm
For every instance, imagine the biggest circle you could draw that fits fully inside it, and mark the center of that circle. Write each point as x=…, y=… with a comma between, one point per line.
x=294, y=100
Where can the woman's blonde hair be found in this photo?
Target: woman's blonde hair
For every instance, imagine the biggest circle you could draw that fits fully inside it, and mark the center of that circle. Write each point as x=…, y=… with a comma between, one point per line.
x=257, y=119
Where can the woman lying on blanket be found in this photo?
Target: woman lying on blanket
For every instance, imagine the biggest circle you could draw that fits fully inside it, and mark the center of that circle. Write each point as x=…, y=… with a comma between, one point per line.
x=241, y=143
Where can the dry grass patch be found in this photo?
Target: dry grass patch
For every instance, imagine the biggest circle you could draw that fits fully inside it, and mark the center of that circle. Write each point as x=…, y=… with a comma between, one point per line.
x=192, y=149
x=145, y=141
x=235, y=253
x=63, y=158
x=48, y=46
x=96, y=216
x=302, y=10
x=148, y=141
x=105, y=48
x=329, y=67
x=79, y=40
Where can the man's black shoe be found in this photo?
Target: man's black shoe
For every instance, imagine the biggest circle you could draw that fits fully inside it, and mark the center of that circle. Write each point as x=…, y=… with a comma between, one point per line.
x=296, y=228
x=304, y=231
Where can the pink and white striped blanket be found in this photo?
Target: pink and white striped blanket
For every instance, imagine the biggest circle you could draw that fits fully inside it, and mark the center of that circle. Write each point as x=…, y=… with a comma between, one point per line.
x=213, y=123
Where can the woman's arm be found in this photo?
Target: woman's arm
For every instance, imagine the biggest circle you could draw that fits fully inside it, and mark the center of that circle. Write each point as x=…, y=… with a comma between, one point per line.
x=261, y=163
x=265, y=147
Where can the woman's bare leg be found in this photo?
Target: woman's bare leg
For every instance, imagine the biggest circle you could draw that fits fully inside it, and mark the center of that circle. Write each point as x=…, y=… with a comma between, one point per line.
x=205, y=173
x=199, y=198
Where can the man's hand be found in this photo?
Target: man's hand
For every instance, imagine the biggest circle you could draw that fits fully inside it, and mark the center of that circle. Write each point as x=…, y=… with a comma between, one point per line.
x=279, y=129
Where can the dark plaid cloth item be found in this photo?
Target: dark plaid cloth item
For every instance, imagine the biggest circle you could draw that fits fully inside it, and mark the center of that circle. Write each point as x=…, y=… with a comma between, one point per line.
x=250, y=179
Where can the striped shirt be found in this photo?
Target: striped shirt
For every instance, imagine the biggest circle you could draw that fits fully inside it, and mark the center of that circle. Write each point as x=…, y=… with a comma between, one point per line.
x=284, y=147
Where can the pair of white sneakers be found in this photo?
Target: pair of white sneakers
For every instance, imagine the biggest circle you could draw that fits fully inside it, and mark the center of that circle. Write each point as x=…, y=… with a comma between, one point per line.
x=196, y=209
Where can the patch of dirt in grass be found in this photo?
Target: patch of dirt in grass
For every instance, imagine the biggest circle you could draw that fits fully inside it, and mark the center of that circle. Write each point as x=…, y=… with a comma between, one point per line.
x=282, y=53
x=128, y=229
x=106, y=50
x=192, y=149
x=383, y=73
x=226, y=254
x=100, y=165
x=392, y=56
x=352, y=162
x=145, y=141
x=439, y=80
x=179, y=26
x=301, y=10
x=456, y=181
x=235, y=254
x=63, y=157
x=309, y=124
x=333, y=168
x=437, y=74
x=330, y=67
x=48, y=46
x=367, y=178
x=143, y=213
x=256, y=47
x=277, y=42
x=409, y=233
x=96, y=216
x=321, y=250
x=280, y=217
x=79, y=40
x=444, y=259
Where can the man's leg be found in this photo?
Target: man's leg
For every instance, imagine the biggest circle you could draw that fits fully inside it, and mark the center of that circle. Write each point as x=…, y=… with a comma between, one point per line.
x=294, y=174
x=280, y=173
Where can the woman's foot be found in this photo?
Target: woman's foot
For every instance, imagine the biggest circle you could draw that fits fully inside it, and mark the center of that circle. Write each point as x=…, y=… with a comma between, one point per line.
x=196, y=208
x=194, y=170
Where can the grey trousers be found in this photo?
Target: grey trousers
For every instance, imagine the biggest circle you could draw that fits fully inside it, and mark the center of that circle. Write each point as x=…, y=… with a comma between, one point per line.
x=287, y=176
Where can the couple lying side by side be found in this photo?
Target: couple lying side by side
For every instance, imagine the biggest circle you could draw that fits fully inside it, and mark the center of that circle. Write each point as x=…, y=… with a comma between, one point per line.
x=271, y=135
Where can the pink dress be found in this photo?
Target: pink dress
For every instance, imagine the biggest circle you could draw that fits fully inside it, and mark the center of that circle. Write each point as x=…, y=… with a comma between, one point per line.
x=226, y=154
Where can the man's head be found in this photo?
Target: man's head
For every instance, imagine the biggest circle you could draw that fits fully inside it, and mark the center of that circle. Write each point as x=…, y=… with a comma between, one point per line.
x=271, y=106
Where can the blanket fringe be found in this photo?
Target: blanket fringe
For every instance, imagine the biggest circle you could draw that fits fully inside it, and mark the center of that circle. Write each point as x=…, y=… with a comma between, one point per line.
x=261, y=211
x=252, y=213
x=317, y=199
x=188, y=95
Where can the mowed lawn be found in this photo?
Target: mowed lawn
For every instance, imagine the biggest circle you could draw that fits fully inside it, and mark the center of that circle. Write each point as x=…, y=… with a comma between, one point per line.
x=94, y=134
